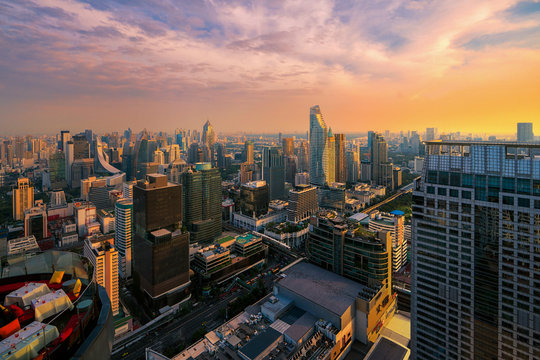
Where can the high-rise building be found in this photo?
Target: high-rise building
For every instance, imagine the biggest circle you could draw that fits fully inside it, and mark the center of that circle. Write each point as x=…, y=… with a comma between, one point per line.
x=321, y=170
x=160, y=247
x=159, y=157
x=57, y=170
x=302, y=153
x=288, y=146
x=350, y=250
x=202, y=202
x=65, y=136
x=395, y=225
x=525, y=132
x=254, y=198
x=273, y=172
x=209, y=139
x=301, y=178
x=475, y=246
x=303, y=203
x=23, y=198
x=35, y=222
x=430, y=134
x=123, y=234
x=331, y=157
x=248, y=152
x=246, y=172
x=381, y=169
x=353, y=166
x=127, y=189
x=290, y=168
x=81, y=169
x=104, y=257
x=81, y=147
x=69, y=157
x=340, y=162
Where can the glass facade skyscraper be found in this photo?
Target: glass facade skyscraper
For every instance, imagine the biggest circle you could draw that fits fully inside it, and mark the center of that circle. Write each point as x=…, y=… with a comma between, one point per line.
x=321, y=158
x=476, y=252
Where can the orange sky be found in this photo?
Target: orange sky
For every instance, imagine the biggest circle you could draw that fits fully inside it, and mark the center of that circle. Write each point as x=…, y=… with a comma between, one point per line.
x=259, y=66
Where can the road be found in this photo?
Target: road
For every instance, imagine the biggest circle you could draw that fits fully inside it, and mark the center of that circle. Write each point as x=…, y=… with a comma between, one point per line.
x=179, y=330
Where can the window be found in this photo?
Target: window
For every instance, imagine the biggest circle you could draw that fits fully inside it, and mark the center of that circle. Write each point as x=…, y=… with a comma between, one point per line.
x=441, y=191
x=455, y=179
x=508, y=200
x=523, y=186
x=524, y=202
x=508, y=184
x=466, y=194
x=467, y=180
x=443, y=178
x=430, y=190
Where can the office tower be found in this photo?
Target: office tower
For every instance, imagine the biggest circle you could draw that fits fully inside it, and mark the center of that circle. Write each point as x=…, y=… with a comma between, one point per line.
x=340, y=160
x=195, y=153
x=81, y=147
x=331, y=157
x=273, y=172
x=68, y=150
x=57, y=198
x=301, y=178
x=159, y=157
x=349, y=250
x=246, y=172
x=248, y=152
x=208, y=135
x=322, y=158
x=303, y=203
x=525, y=132
x=475, y=245
x=288, y=146
x=290, y=168
x=381, y=169
x=254, y=198
x=353, y=166
x=65, y=136
x=57, y=170
x=104, y=257
x=123, y=234
x=23, y=198
x=220, y=155
x=35, y=222
x=394, y=224
x=127, y=189
x=302, y=153
x=160, y=247
x=397, y=173
x=430, y=134
x=365, y=171
x=202, y=202
x=81, y=169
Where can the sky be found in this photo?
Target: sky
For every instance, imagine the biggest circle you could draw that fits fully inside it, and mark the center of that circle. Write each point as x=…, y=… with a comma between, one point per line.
x=257, y=66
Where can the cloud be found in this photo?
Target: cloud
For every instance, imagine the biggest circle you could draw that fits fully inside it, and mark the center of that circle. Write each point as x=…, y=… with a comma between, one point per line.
x=216, y=49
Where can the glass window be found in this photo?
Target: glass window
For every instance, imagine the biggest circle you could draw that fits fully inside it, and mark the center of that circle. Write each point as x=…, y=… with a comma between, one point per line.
x=443, y=178
x=466, y=194
x=455, y=179
x=494, y=182
x=467, y=180
x=454, y=193
x=536, y=187
x=480, y=194
x=508, y=184
x=432, y=177
x=441, y=191
x=430, y=190
x=523, y=186
x=480, y=181
x=524, y=202
x=508, y=200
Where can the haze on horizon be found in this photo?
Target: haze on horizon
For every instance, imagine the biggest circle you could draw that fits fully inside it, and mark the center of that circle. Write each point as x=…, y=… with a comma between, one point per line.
x=259, y=66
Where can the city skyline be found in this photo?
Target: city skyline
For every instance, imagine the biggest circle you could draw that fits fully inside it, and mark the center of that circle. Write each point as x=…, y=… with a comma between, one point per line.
x=448, y=65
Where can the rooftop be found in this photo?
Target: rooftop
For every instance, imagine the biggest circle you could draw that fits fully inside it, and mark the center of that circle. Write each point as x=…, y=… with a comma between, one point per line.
x=484, y=143
x=320, y=286
x=385, y=348
x=260, y=343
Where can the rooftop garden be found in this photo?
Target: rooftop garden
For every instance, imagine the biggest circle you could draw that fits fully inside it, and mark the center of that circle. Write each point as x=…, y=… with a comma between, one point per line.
x=286, y=227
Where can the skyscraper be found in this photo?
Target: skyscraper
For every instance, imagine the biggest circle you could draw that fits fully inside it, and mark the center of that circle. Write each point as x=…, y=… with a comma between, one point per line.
x=104, y=257
x=430, y=134
x=353, y=166
x=160, y=247
x=330, y=155
x=340, y=162
x=288, y=146
x=381, y=169
x=303, y=203
x=318, y=147
x=123, y=234
x=273, y=172
x=209, y=139
x=248, y=152
x=475, y=246
x=254, y=198
x=302, y=154
x=525, y=132
x=202, y=202
x=81, y=147
x=23, y=198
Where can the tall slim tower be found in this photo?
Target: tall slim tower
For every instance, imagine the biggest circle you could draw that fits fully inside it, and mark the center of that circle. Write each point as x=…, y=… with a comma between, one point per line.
x=288, y=146
x=475, y=252
x=273, y=172
x=318, y=148
x=248, y=151
x=104, y=257
x=160, y=247
x=341, y=162
x=202, y=202
x=330, y=156
x=23, y=198
x=123, y=234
